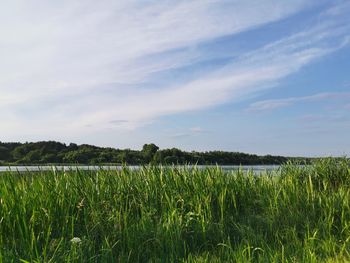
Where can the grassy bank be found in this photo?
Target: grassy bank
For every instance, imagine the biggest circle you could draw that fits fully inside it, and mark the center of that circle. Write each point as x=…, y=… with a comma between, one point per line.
x=177, y=215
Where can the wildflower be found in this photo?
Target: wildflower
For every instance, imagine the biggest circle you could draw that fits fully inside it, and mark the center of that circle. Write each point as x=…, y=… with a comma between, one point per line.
x=81, y=204
x=75, y=240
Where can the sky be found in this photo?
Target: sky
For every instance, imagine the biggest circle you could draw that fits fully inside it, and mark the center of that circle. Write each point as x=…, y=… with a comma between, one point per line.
x=256, y=76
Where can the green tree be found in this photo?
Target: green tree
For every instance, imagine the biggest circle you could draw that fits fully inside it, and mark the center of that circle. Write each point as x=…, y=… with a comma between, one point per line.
x=148, y=152
x=4, y=153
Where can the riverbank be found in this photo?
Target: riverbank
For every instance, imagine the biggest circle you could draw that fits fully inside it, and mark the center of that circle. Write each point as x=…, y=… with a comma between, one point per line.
x=177, y=215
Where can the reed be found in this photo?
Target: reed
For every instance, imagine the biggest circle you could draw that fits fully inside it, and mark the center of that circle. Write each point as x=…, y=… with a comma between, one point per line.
x=172, y=214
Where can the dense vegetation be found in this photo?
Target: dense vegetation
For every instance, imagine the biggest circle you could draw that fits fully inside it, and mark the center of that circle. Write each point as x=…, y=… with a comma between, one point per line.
x=162, y=214
x=55, y=152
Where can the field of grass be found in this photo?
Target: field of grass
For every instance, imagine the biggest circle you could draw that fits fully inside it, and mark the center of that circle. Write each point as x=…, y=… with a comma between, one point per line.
x=160, y=214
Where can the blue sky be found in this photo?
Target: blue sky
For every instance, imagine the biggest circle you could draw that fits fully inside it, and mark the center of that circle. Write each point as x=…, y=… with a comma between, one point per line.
x=258, y=76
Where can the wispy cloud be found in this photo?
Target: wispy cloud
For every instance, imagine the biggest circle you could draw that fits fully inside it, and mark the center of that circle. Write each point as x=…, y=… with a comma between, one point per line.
x=329, y=118
x=280, y=103
x=95, y=63
x=85, y=44
x=193, y=131
x=249, y=73
x=196, y=129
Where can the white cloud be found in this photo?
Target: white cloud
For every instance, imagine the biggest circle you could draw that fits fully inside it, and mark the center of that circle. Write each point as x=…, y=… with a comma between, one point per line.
x=250, y=73
x=193, y=131
x=196, y=129
x=55, y=48
x=280, y=103
x=57, y=58
x=311, y=119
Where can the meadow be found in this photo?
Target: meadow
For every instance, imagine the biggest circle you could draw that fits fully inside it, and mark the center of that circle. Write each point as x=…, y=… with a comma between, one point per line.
x=177, y=214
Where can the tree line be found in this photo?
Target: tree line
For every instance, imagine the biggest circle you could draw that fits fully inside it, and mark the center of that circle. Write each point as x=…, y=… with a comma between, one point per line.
x=51, y=152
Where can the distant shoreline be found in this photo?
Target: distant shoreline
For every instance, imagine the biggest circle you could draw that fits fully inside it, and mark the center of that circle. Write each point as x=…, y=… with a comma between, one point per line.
x=56, y=153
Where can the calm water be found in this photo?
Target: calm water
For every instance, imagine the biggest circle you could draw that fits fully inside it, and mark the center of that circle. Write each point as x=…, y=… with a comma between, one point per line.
x=255, y=168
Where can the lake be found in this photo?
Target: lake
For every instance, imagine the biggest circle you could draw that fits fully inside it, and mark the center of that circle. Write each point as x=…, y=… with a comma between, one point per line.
x=255, y=168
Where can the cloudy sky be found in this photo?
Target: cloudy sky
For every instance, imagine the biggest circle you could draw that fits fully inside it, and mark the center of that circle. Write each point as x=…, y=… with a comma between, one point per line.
x=258, y=76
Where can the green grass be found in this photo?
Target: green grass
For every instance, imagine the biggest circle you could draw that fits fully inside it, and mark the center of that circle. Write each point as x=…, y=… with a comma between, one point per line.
x=160, y=214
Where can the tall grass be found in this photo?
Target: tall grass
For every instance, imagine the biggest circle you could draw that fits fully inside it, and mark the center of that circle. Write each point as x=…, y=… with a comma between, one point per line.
x=162, y=214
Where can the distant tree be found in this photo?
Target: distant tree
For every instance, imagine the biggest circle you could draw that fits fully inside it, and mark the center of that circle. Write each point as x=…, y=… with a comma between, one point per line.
x=148, y=152
x=72, y=147
x=21, y=151
x=104, y=157
x=171, y=160
x=158, y=157
x=82, y=156
x=51, y=158
x=32, y=156
x=4, y=153
x=56, y=152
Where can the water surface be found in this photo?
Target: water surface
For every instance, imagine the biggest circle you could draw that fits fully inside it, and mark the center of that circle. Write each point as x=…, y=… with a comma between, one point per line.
x=255, y=168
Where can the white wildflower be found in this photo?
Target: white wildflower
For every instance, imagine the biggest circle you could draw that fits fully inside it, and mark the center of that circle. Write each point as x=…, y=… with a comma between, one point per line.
x=75, y=240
